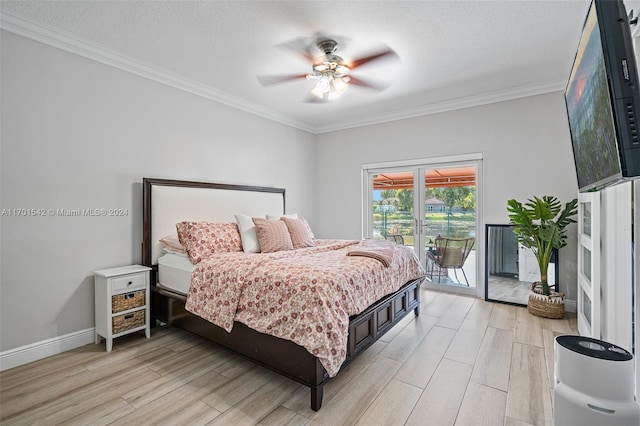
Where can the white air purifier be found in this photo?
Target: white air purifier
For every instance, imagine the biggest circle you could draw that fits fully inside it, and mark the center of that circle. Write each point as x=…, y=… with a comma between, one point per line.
x=594, y=384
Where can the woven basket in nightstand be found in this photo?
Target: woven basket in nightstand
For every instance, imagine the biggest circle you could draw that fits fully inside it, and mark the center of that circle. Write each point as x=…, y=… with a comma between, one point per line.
x=126, y=322
x=126, y=301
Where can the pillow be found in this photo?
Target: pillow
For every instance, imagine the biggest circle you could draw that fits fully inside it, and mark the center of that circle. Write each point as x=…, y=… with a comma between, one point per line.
x=279, y=216
x=301, y=235
x=273, y=235
x=248, y=234
x=175, y=253
x=203, y=239
x=171, y=244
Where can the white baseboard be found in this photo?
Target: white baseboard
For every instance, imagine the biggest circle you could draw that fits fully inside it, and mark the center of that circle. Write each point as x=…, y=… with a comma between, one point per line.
x=45, y=348
x=570, y=306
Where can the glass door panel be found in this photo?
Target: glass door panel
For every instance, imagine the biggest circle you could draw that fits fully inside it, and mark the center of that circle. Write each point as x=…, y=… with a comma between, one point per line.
x=393, y=206
x=586, y=265
x=449, y=223
x=589, y=264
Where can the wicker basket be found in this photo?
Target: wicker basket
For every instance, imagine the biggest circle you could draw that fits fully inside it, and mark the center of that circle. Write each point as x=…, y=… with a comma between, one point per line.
x=545, y=306
x=126, y=322
x=126, y=301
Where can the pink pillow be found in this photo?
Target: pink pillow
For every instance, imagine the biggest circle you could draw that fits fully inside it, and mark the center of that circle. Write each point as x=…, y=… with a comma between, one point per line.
x=203, y=239
x=273, y=235
x=301, y=235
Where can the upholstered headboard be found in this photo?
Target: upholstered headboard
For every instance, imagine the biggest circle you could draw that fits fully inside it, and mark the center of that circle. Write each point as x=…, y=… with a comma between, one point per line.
x=167, y=202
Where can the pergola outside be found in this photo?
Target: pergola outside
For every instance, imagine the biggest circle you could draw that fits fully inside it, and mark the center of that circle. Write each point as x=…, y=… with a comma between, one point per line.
x=434, y=178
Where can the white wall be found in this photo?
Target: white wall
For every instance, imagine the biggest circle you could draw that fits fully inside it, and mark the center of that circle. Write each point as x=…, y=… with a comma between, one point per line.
x=78, y=134
x=526, y=151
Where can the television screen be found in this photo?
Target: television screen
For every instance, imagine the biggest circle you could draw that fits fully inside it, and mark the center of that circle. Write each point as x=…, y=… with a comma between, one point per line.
x=591, y=118
x=601, y=95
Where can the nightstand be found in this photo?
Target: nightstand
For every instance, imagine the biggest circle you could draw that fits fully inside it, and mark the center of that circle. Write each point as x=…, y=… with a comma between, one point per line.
x=122, y=302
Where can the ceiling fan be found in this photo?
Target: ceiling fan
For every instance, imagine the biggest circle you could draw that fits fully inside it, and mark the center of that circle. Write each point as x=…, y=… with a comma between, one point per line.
x=332, y=74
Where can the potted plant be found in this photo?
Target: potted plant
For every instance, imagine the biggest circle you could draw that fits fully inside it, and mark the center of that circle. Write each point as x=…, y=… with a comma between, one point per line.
x=540, y=225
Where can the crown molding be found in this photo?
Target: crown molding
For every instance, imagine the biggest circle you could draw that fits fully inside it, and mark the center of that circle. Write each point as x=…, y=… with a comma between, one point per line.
x=70, y=43
x=451, y=105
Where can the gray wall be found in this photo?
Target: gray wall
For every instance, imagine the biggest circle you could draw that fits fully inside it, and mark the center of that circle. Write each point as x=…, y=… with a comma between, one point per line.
x=78, y=134
x=526, y=151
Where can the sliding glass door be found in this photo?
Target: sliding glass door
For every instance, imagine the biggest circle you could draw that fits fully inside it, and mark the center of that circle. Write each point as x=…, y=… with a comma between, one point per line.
x=432, y=208
x=393, y=205
x=449, y=225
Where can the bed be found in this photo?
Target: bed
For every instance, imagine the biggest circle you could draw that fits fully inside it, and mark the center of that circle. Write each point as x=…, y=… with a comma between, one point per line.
x=167, y=202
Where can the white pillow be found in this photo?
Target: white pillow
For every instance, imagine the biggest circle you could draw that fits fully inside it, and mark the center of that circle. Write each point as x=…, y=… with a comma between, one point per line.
x=248, y=234
x=277, y=217
x=177, y=253
x=172, y=242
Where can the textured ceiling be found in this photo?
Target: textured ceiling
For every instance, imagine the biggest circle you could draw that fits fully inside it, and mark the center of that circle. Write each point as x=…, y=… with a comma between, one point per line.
x=451, y=53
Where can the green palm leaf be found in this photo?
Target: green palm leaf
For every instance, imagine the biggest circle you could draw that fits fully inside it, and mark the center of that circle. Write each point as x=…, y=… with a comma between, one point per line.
x=540, y=225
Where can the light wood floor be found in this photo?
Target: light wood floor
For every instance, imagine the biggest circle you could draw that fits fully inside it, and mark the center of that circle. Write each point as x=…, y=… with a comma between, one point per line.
x=509, y=289
x=463, y=361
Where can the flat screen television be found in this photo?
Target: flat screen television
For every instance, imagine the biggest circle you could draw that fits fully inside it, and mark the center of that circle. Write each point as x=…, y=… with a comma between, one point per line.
x=602, y=99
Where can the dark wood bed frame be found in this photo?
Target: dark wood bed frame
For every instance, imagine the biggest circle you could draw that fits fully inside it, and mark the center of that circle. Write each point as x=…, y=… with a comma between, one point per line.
x=282, y=356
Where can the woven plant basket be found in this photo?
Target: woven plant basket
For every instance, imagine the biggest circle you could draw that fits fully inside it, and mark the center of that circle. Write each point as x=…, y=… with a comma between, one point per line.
x=545, y=306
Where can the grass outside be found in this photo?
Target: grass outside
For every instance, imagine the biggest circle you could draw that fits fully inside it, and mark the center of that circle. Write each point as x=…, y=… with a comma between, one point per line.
x=457, y=225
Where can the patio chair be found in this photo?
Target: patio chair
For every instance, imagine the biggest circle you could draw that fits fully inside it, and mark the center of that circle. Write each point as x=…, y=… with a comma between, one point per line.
x=449, y=253
x=398, y=239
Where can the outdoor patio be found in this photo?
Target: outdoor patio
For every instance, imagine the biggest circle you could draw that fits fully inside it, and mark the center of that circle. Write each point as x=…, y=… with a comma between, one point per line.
x=469, y=269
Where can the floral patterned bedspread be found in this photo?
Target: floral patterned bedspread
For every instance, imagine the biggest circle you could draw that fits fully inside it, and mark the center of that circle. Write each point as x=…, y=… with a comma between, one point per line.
x=305, y=295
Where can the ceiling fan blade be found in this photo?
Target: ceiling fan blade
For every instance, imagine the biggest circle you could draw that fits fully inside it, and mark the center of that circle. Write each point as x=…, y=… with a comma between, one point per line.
x=301, y=47
x=387, y=54
x=354, y=81
x=269, y=80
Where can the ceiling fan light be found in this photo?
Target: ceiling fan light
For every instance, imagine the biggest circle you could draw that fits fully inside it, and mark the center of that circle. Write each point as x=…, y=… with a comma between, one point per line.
x=323, y=85
x=342, y=70
x=315, y=92
x=340, y=85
